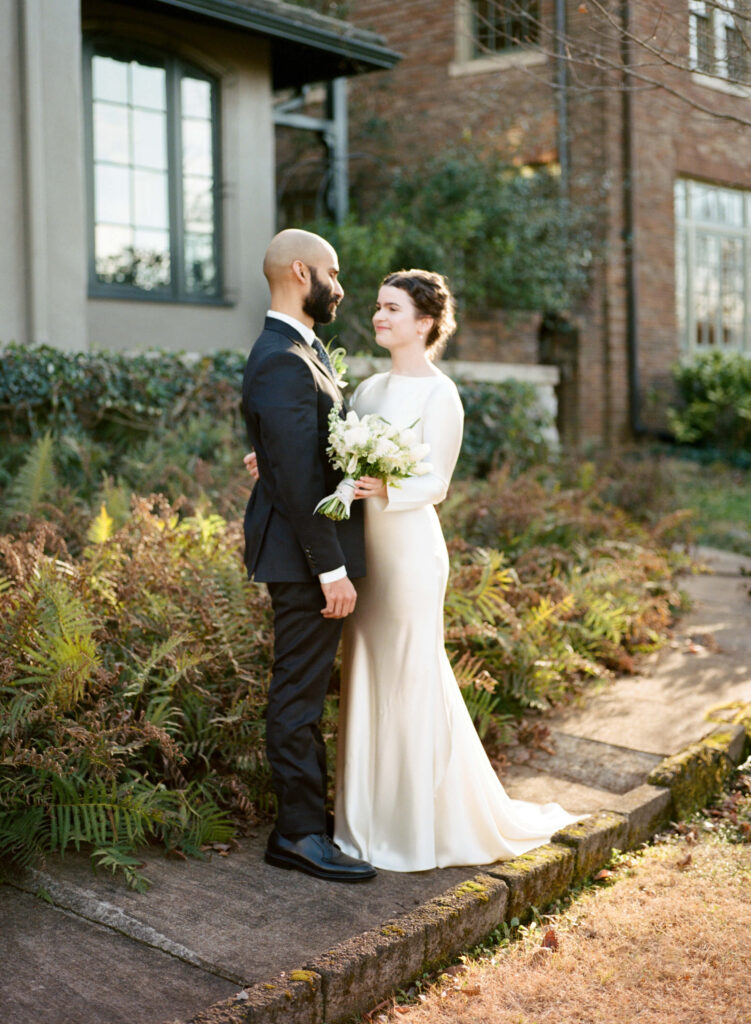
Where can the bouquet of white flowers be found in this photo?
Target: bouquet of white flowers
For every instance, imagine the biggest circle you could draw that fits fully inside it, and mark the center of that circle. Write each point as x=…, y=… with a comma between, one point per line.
x=369, y=446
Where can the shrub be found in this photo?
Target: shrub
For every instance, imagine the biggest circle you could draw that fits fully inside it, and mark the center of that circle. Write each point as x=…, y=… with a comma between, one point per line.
x=133, y=683
x=504, y=240
x=503, y=424
x=714, y=402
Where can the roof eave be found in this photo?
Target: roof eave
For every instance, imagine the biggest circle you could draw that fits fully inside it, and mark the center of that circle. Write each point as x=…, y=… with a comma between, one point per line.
x=368, y=53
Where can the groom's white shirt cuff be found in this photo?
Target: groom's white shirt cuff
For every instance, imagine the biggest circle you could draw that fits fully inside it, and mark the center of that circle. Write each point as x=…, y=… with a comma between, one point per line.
x=333, y=576
x=309, y=335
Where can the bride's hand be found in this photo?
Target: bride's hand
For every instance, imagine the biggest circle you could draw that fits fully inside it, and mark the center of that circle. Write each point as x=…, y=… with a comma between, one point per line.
x=251, y=464
x=370, y=487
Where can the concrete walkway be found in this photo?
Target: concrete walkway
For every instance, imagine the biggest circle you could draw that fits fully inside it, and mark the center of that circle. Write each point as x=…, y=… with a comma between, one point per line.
x=79, y=948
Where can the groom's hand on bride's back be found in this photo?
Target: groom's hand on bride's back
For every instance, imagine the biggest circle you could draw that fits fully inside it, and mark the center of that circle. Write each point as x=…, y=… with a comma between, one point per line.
x=251, y=464
x=340, y=598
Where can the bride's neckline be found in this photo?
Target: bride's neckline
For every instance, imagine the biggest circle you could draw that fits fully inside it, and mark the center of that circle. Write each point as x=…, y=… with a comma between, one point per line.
x=414, y=376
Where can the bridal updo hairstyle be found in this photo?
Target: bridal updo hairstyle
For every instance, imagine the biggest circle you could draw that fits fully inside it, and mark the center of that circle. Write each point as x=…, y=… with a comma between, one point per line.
x=432, y=297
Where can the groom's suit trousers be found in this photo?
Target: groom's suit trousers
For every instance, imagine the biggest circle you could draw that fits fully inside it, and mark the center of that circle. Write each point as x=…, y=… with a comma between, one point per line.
x=304, y=649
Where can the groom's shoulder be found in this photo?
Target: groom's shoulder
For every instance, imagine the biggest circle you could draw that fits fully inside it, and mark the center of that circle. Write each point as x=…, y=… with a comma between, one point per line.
x=274, y=358
x=271, y=342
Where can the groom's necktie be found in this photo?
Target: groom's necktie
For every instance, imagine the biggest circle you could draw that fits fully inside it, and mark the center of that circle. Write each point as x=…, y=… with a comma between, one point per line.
x=323, y=355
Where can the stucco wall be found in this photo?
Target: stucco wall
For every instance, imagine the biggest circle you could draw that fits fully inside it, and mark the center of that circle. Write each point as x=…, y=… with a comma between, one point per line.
x=241, y=63
x=12, y=250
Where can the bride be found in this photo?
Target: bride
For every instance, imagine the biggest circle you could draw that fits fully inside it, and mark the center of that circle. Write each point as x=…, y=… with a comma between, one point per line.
x=415, y=789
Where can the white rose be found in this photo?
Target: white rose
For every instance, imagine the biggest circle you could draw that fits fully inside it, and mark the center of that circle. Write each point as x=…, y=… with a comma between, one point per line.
x=356, y=437
x=384, y=447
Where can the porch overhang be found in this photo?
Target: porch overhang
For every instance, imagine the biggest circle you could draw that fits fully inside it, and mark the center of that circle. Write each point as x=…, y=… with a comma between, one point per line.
x=305, y=46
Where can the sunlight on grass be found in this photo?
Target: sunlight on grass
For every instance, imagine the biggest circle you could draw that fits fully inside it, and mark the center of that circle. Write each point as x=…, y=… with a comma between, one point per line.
x=720, y=497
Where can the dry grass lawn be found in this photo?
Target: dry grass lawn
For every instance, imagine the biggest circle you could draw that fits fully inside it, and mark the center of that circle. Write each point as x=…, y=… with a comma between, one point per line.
x=667, y=941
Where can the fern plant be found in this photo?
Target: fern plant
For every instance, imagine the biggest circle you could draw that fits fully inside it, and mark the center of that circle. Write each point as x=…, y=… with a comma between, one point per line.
x=34, y=482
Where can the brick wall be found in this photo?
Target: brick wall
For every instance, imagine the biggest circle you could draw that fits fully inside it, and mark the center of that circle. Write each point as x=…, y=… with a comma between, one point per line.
x=400, y=117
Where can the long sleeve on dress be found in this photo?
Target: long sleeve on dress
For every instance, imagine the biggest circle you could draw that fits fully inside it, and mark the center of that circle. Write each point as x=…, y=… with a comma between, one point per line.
x=442, y=424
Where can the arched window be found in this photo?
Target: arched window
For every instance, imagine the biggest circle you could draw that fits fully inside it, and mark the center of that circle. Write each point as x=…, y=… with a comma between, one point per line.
x=152, y=152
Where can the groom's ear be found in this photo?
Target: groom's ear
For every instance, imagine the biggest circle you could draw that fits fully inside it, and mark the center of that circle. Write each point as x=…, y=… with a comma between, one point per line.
x=300, y=271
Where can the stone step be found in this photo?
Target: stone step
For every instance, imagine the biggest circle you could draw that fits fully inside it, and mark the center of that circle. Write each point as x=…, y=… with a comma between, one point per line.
x=592, y=763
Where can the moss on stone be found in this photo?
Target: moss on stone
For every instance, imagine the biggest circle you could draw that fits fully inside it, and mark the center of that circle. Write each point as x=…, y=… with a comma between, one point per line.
x=307, y=976
x=475, y=888
x=694, y=775
x=392, y=929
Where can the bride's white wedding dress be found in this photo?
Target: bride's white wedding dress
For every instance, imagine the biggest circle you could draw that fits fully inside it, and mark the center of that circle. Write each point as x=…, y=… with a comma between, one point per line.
x=415, y=789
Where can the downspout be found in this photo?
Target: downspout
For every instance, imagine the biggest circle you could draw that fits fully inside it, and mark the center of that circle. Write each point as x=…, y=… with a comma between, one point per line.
x=561, y=84
x=629, y=226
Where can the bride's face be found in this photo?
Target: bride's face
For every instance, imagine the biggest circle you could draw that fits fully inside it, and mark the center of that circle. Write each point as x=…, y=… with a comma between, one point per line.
x=396, y=321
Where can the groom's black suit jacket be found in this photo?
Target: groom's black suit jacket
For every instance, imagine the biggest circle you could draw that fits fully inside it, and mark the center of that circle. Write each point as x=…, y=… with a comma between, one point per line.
x=287, y=397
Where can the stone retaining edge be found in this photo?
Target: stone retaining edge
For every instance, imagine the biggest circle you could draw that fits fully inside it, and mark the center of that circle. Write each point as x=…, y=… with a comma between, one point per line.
x=351, y=977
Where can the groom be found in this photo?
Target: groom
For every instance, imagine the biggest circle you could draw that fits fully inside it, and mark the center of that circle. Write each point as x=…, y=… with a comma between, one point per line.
x=306, y=560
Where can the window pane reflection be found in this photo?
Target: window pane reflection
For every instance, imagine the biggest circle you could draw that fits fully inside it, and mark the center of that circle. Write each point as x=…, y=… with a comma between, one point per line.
x=198, y=203
x=149, y=140
x=109, y=79
x=196, y=98
x=150, y=199
x=200, y=271
x=111, y=133
x=712, y=265
x=148, y=87
x=112, y=185
x=197, y=155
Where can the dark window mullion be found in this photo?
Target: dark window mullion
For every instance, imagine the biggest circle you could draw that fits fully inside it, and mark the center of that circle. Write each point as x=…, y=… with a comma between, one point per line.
x=216, y=191
x=88, y=122
x=175, y=179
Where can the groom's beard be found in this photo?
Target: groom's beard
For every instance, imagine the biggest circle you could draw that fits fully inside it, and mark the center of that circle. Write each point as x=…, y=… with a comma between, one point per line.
x=320, y=302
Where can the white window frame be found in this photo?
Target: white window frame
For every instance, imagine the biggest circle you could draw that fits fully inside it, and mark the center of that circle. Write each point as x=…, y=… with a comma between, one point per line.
x=467, y=63
x=720, y=20
x=688, y=227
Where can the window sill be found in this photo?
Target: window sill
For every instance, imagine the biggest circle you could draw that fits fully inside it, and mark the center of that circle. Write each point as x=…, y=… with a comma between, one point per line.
x=720, y=84
x=505, y=61
x=128, y=296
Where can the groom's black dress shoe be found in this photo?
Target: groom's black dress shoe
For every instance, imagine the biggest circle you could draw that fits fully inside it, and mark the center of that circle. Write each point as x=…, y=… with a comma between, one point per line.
x=316, y=855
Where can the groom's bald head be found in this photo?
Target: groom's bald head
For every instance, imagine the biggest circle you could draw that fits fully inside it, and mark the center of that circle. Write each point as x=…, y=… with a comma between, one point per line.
x=294, y=244
x=303, y=274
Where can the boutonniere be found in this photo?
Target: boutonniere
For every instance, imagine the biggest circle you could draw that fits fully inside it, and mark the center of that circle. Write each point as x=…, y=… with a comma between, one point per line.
x=339, y=364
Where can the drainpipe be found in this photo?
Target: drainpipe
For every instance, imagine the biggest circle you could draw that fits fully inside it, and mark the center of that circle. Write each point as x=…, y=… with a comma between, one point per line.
x=561, y=84
x=337, y=142
x=629, y=225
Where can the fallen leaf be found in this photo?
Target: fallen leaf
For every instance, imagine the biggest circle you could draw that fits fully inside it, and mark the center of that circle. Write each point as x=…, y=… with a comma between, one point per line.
x=473, y=990
x=550, y=940
x=684, y=861
x=603, y=874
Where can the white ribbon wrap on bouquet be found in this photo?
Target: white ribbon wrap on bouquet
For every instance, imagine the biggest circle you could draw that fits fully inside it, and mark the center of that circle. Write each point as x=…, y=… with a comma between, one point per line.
x=337, y=505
